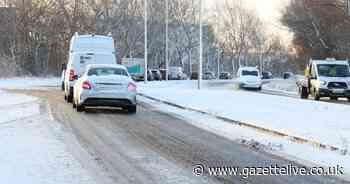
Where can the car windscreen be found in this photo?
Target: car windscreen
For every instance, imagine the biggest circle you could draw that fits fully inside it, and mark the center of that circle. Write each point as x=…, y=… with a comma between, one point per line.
x=107, y=71
x=250, y=73
x=327, y=70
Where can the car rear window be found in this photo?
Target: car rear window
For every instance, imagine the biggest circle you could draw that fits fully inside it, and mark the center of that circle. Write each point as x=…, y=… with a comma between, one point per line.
x=107, y=71
x=250, y=73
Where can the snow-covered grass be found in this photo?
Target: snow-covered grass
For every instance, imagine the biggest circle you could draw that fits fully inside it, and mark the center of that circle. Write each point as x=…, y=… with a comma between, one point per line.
x=318, y=121
x=29, y=83
x=32, y=150
x=324, y=122
x=304, y=154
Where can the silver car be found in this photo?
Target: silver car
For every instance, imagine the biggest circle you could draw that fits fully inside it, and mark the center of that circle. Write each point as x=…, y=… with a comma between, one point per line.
x=105, y=86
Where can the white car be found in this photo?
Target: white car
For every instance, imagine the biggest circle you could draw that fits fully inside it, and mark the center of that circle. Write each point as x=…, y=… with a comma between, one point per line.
x=85, y=50
x=249, y=77
x=105, y=86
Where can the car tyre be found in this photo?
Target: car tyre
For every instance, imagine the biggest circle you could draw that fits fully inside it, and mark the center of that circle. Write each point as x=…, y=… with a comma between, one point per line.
x=132, y=109
x=70, y=96
x=348, y=99
x=80, y=108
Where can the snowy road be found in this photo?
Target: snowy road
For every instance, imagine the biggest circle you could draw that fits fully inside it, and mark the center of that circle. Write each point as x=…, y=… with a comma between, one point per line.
x=286, y=88
x=155, y=147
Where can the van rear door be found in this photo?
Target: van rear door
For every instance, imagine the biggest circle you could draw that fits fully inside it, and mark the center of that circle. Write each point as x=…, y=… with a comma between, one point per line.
x=85, y=60
x=105, y=58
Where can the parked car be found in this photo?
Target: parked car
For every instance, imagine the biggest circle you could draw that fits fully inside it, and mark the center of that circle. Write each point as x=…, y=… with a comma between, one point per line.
x=105, y=85
x=287, y=75
x=150, y=76
x=176, y=73
x=225, y=76
x=267, y=75
x=249, y=77
x=208, y=76
x=85, y=50
x=156, y=75
x=136, y=67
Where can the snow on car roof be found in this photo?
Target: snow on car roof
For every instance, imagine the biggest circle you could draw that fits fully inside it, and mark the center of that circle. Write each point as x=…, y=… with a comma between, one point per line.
x=329, y=62
x=248, y=68
x=106, y=65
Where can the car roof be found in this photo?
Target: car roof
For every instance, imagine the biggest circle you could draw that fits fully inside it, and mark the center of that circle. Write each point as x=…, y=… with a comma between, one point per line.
x=106, y=66
x=330, y=62
x=248, y=68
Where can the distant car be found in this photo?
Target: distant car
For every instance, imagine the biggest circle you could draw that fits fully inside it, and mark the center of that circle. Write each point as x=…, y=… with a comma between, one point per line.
x=267, y=75
x=105, y=85
x=176, y=73
x=249, y=77
x=150, y=76
x=225, y=75
x=287, y=75
x=156, y=75
x=208, y=76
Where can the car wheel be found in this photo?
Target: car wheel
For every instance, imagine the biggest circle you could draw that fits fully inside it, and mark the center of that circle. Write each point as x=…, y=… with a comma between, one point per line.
x=132, y=109
x=80, y=108
x=260, y=88
x=348, y=99
x=70, y=96
x=70, y=99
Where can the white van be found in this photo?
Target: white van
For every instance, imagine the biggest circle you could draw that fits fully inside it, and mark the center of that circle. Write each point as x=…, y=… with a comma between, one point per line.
x=85, y=50
x=249, y=77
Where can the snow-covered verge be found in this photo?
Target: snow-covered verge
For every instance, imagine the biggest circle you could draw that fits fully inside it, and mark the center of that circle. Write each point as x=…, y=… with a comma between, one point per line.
x=317, y=121
x=302, y=153
x=32, y=150
x=29, y=83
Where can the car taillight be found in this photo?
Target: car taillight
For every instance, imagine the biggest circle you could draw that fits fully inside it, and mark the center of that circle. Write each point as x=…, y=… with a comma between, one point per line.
x=71, y=75
x=86, y=85
x=131, y=87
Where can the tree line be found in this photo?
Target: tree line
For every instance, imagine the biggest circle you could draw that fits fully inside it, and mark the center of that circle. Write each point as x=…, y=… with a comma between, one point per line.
x=321, y=29
x=233, y=35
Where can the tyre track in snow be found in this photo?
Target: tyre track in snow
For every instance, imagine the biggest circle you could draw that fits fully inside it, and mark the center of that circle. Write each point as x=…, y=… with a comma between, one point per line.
x=155, y=147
